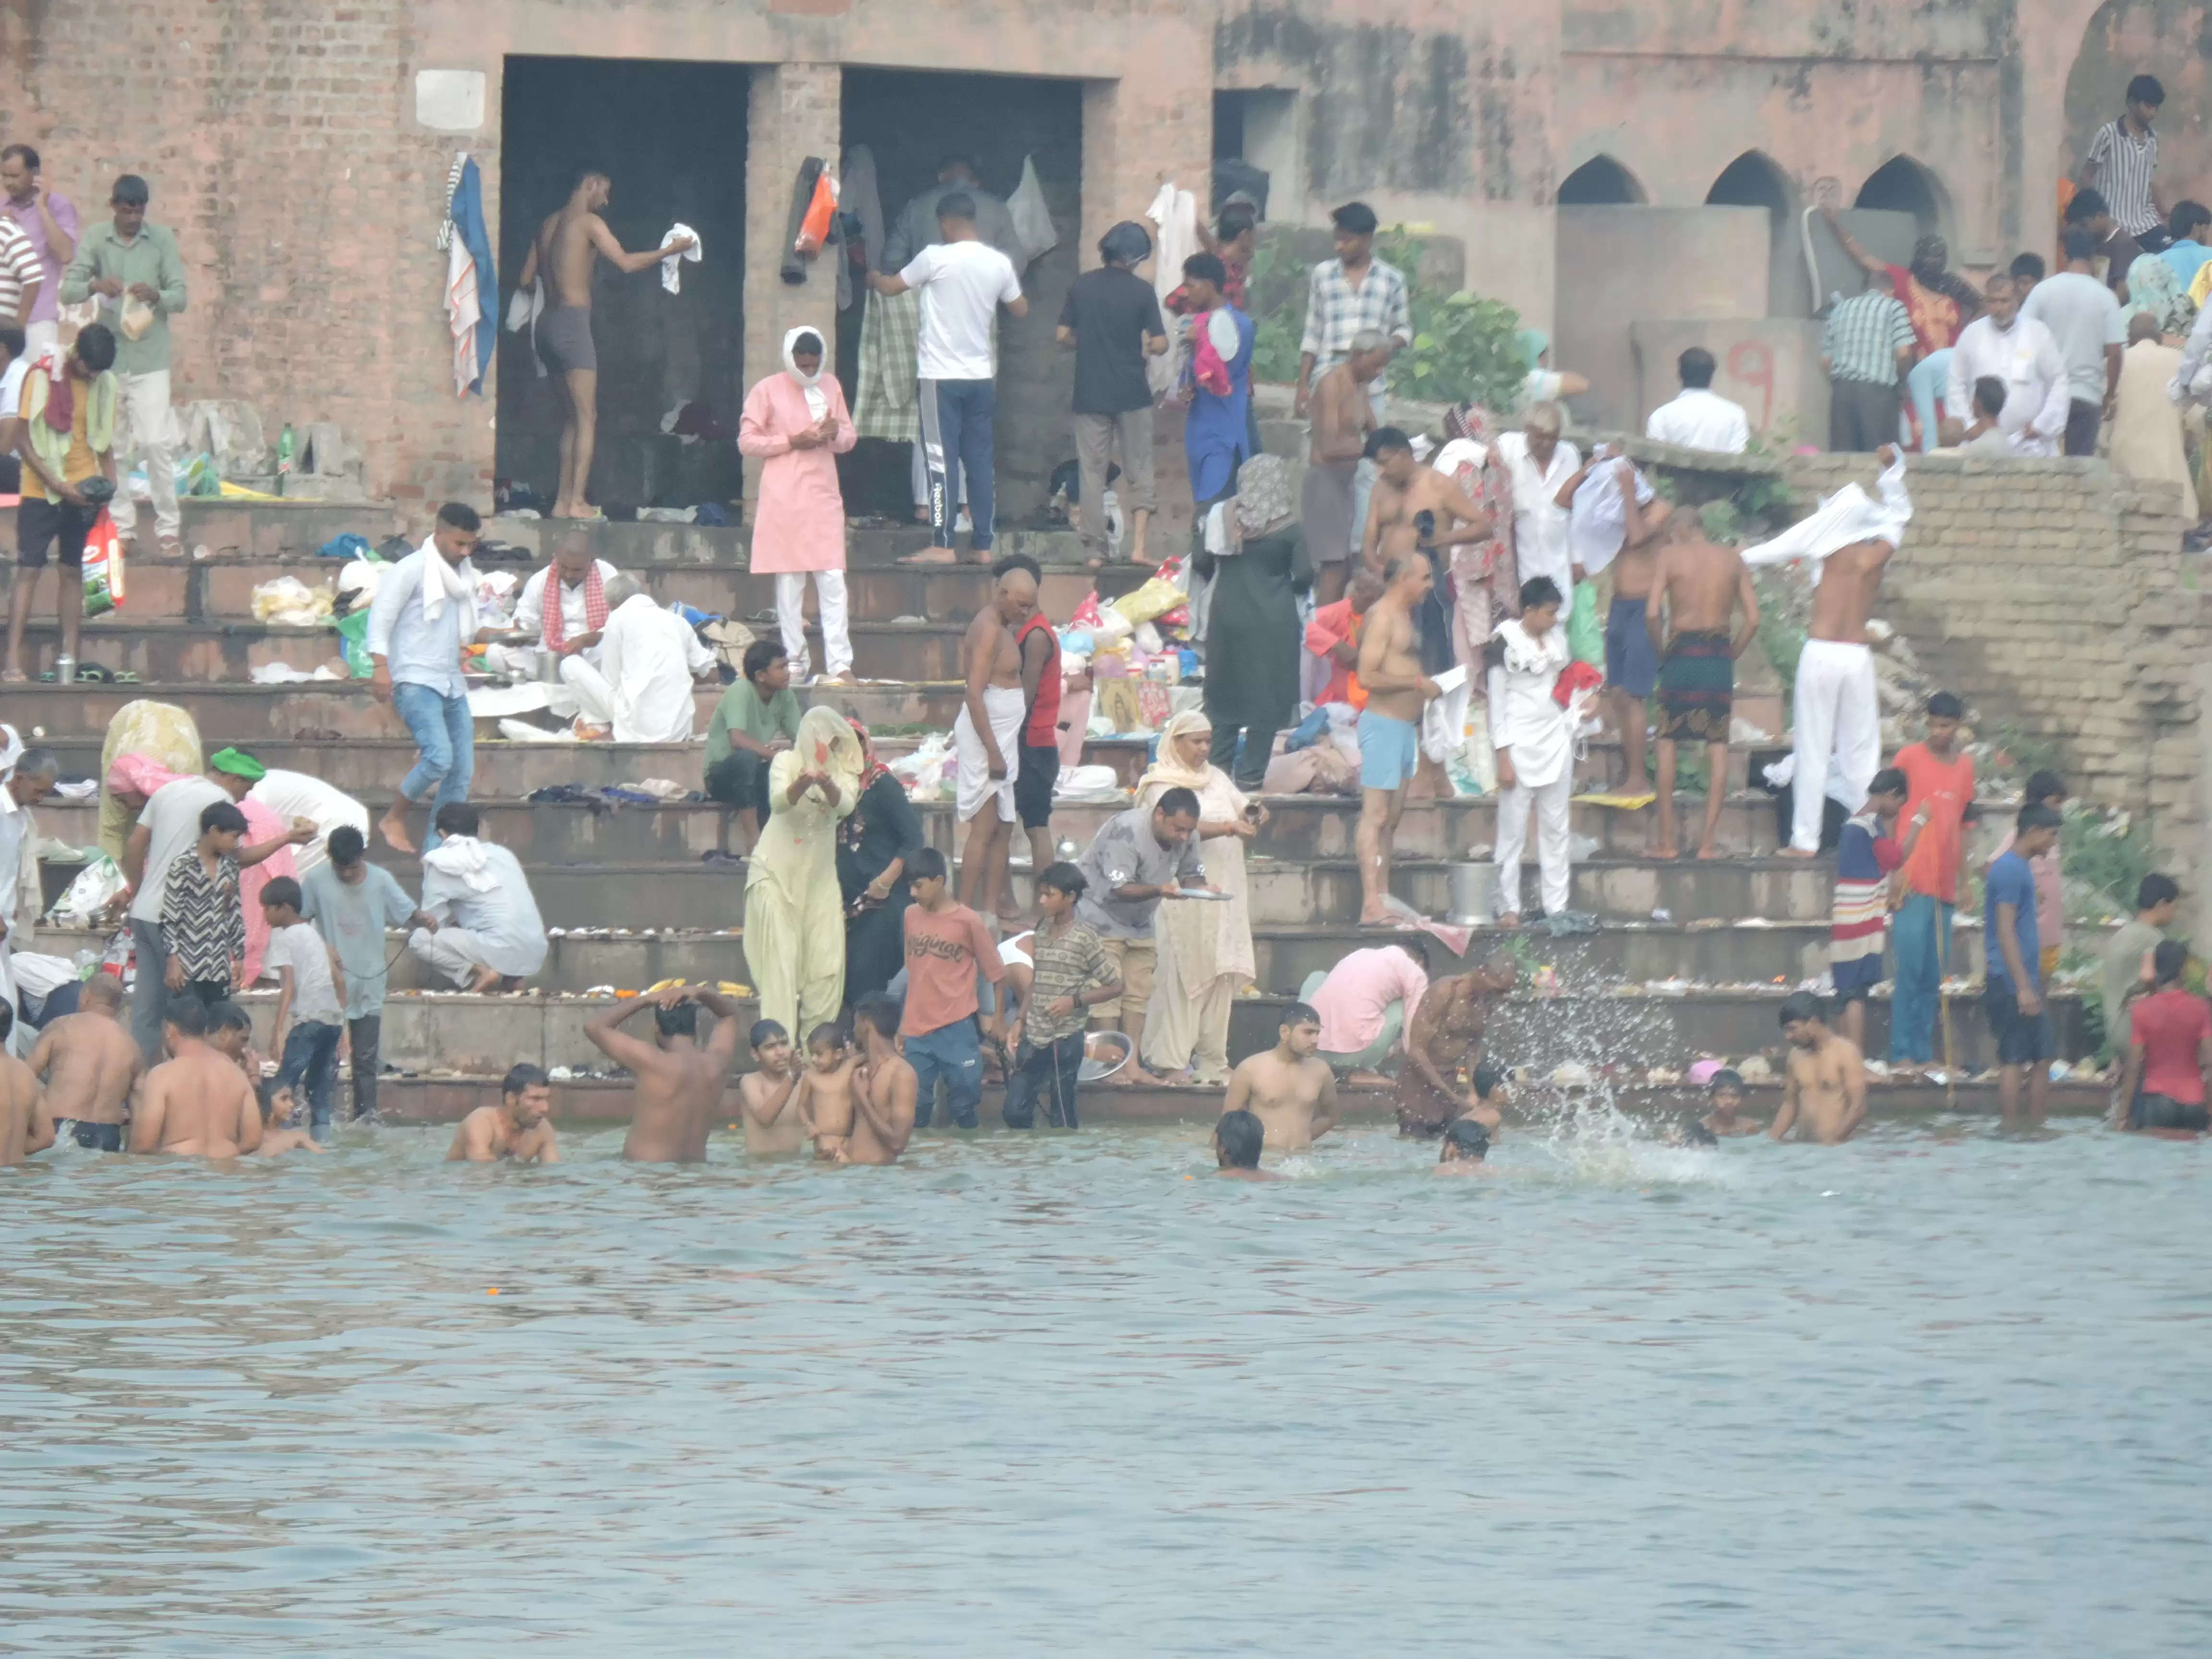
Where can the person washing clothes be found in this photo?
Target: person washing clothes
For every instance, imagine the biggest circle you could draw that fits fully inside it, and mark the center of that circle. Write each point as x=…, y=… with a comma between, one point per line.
x=796, y=423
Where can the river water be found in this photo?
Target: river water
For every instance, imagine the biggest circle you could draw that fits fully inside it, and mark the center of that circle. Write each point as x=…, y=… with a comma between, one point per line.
x=1937, y=1392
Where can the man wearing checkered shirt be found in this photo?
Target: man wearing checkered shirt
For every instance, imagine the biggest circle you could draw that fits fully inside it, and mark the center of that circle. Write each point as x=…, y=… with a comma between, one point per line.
x=1348, y=294
x=1866, y=348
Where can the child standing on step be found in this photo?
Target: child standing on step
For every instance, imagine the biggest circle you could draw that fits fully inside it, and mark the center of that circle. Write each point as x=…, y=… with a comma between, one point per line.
x=1866, y=857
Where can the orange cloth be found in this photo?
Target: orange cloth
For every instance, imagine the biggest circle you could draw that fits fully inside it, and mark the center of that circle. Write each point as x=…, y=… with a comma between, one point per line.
x=944, y=949
x=1947, y=787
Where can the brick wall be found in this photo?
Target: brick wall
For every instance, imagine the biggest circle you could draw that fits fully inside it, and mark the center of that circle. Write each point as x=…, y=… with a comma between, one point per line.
x=2054, y=598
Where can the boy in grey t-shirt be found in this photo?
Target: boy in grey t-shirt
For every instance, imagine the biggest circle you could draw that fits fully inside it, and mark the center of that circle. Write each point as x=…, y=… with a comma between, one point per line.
x=351, y=901
x=308, y=1020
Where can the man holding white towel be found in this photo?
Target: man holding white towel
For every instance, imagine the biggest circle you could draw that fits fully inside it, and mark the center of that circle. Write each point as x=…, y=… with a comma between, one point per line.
x=422, y=619
x=1852, y=537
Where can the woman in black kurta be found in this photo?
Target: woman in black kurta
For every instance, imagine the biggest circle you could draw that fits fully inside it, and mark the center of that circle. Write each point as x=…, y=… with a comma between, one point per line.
x=879, y=839
x=1252, y=632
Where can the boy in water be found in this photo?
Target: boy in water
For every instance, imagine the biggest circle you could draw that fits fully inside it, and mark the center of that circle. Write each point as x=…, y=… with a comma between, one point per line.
x=1467, y=1143
x=883, y=1103
x=279, y=1131
x=310, y=1002
x=1826, y=1097
x=22, y=1110
x=1237, y=1138
x=825, y=1093
x=1069, y=972
x=767, y=1097
x=1725, y=1094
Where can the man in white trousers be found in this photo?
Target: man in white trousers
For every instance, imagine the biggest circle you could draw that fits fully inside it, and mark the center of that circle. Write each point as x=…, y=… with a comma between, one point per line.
x=1852, y=536
x=1535, y=741
x=641, y=688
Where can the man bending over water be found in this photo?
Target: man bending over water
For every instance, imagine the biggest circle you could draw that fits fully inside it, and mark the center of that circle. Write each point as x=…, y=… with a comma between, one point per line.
x=679, y=1082
x=1290, y=1088
x=519, y=1127
x=1827, y=1079
x=1446, y=1034
x=90, y=1063
x=883, y=1089
x=197, y=1103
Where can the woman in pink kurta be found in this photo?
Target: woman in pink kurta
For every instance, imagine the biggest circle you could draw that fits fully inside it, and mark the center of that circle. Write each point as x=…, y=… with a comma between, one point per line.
x=797, y=422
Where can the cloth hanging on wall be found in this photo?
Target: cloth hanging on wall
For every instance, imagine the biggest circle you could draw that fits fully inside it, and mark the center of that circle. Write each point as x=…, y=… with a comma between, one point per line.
x=890, y=351
x=464, y=292
x=794, y=270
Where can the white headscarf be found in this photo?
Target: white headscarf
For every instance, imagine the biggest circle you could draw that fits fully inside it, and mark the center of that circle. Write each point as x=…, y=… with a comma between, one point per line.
x=818, y=400
x=465, y=857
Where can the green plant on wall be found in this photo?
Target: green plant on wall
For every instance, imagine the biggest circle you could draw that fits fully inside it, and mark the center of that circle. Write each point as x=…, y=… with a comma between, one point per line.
x=1466, y=349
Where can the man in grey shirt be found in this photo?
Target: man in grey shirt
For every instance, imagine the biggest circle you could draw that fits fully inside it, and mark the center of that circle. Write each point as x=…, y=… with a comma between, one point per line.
x=351, y=901
x=2091, y=331
x=1138, y=858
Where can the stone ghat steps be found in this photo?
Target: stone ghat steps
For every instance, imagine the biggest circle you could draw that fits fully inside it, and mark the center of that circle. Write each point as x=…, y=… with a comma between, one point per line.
x=1299, y=827
x=484, y=1036
x=1636, y=953
x=584, y=1104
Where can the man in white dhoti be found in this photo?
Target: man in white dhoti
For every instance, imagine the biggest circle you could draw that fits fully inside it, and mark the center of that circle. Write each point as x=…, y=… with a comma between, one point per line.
x=1534, y=734
x=650, y=660
x=1852, y=537
x=489, y=934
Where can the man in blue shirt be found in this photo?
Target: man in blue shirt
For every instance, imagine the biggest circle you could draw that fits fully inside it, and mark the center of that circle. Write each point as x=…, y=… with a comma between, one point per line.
x=424, y=617
x=2018, y=1022
x=2185, y=253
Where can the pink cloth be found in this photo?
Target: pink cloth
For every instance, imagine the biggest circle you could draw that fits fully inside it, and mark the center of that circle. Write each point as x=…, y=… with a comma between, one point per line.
x=1352, y=1001
x=138, y=774
x=798, y=523
x=261, y=824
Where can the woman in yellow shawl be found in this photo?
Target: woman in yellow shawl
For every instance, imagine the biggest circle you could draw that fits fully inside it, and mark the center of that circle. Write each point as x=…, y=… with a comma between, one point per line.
x=1205, y=954
x=794, y=911
x=162, y=732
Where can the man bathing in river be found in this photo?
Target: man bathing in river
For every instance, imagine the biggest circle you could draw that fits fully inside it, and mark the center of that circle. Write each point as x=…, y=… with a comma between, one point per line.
x=519, y=1127
x=1446, y=1034
x=23, y=1114
x=1290, y=1089
x=1238, y=1138
x=89, y=1064
x=679, y=1082
x=768, y=1096
x=1466, y=1144
x=885, y=1088
x=198, y=1104
x=1726, y=1117
x=1824, y=1099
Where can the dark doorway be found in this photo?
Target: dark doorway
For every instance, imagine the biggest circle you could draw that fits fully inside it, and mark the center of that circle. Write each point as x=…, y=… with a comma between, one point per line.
x=1600, y=182
x=672, y=138
x=1901, y=184
x=1752, y=181
x=911, y=121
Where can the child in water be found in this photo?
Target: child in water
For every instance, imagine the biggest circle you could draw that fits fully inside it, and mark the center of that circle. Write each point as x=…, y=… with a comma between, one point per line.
x=825, y=1094
x=768, y=1097
x=280, y=1134
x=1726, y=1094
x=1466, y=1144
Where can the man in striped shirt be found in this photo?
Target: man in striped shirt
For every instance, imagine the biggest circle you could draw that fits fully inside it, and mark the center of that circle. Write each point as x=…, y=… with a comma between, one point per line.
x=21, y=276
x=1868, y=854
x=2123, y=160
x=1866, y=348
x=1347, y=295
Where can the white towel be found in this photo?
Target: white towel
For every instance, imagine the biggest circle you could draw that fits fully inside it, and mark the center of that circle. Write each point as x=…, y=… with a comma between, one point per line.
x=1845, y=520
x=442, y=581
x=465, y=858
x=671, y=275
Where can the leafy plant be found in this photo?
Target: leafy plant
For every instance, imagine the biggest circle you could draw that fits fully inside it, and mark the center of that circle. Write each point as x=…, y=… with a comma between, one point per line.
x=1781, y=635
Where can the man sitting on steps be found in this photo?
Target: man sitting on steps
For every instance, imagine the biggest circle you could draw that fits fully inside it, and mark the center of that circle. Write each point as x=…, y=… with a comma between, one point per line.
x=489, y=935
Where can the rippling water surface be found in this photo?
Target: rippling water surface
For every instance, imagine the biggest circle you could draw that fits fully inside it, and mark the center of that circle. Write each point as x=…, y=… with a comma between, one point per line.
x=1936, y=1392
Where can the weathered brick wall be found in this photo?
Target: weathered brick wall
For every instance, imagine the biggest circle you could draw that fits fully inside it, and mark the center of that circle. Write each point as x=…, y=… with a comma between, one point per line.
x=2054, y=596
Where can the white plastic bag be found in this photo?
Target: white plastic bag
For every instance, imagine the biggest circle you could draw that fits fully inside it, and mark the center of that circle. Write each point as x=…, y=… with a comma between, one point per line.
x=97, y=884
x=1033, y=226
x=927, y=773
x=287, y=602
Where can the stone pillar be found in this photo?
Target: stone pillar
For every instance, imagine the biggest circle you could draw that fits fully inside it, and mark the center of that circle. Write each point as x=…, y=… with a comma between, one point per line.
x=796, y=111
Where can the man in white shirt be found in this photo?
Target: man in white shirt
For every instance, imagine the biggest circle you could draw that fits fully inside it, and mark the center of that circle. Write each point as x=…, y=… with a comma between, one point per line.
x=574, y=625
x=963, y=282
x=2019, y=351
x=1700, y=418
x=489, y=934
x=1540, y=463
x=2090, y=329
x=649, y=661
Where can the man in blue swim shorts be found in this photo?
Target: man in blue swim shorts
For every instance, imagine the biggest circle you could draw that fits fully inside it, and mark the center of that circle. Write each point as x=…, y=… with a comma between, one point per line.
x=1390, y=725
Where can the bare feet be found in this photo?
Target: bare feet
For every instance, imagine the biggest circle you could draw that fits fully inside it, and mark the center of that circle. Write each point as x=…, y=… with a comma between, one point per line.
x=1511, y=919
x=933, y=555
x=1666, y=852
x=1136, y=1077
x=1796, y=853
x=1377, y=918
x=171, y=548
x=487, y=980
x=1708, y=850
x=392, y=826
x=843, y=676
x=14, y=676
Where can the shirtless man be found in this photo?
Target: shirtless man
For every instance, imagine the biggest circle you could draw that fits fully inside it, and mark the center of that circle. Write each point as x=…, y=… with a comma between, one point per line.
x=987, y=735
x=562, y=254
x=679, y=1083
x=1405, y=489
x=1446, y=1034
x=519, y=1127
x=825, y=1093
x=1390, y=726
x=23, y=1112
x=1466, y=1150
x=1827, y=1078
x=1834, y=709
x=198, y=1104
x=1343, y=414
x=1698, y=587
x=1289, y=1088
x=768, y=1098
x=1632, y=665
x=89, y=1064
x=885, y=1088
x=1238, y=1138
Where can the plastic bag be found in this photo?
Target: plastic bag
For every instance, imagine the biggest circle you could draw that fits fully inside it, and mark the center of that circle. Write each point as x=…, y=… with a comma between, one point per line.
x=814, y=228
x=353, y=637
x=95, y=886
x=1585, y=637
x=103, y=567
x=1033, y=226
x=287, y=602
x=1155, y=598
x=928, y=772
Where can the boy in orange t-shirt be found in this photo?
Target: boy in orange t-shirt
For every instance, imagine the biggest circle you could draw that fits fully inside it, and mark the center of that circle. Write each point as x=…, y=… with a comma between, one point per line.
x=1941, y=780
